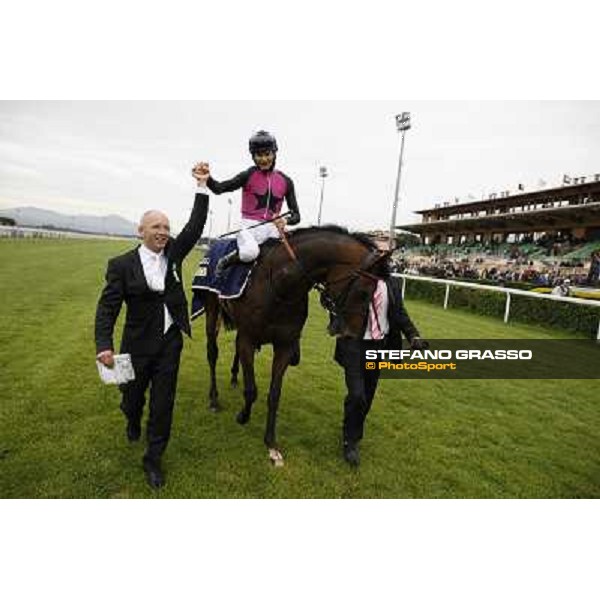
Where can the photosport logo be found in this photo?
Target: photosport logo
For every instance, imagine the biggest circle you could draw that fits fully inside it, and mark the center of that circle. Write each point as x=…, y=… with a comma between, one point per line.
x=487, y=359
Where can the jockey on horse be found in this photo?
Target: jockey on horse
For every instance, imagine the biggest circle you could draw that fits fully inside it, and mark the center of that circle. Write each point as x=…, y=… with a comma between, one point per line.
x=263, y=191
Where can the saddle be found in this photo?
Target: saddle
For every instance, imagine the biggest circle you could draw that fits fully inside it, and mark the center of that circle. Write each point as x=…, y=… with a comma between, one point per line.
x=231, y=283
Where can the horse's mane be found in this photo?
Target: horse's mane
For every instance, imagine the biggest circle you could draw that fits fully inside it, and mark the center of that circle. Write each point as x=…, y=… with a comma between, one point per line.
x=382, y=268
x=359, y=236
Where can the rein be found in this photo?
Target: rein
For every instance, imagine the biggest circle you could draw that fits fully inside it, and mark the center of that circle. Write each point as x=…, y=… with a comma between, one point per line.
x=289, y=249
x=335, y=304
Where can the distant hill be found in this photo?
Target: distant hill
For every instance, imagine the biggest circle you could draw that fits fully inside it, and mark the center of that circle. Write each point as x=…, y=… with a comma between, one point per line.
x=29, y=216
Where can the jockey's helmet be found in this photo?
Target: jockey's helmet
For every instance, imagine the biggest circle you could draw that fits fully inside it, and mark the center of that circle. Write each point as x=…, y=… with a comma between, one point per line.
x=262, y=140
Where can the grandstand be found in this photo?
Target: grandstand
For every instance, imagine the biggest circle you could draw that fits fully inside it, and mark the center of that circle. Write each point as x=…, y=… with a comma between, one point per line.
x=569, y=211
x=538, y=238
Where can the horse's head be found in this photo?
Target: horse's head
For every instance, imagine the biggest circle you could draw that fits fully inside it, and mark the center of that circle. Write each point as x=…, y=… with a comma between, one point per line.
x=344, y=267
x=347, y=299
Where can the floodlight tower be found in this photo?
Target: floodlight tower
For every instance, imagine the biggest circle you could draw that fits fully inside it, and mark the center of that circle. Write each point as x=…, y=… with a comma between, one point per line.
x=229, y=201
x=402, y=126
x=322, y=174
x=210, y=224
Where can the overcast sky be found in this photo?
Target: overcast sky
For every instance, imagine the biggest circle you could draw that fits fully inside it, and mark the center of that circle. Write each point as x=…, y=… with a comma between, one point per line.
x=126, y=157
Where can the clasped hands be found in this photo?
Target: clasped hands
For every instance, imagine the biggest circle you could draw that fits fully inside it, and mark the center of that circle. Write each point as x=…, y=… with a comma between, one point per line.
x=201, y=173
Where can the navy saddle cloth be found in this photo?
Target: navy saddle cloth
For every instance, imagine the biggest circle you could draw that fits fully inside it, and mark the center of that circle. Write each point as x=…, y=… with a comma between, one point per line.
x=229, y=285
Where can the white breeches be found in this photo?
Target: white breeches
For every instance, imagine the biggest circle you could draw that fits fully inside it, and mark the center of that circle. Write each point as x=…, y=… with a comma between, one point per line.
x=249, y=240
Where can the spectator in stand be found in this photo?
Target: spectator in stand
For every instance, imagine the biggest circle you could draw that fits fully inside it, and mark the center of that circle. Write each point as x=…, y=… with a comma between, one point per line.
x=594, y=272
x=562, y=289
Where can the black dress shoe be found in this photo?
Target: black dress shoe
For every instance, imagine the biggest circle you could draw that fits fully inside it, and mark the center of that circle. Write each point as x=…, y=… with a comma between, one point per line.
x=351, y=454
x=154, y=475
x=133, y=431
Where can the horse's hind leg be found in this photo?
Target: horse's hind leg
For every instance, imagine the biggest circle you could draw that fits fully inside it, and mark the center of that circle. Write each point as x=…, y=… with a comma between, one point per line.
x=235, y=367
x=212, y=349
x=281, y=359
x=246, y=355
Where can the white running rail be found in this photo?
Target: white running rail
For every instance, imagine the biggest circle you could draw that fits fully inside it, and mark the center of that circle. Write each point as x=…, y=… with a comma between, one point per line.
x=501, y=290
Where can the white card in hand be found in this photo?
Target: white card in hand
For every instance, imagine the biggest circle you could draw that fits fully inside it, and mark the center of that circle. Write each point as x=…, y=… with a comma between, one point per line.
x=121, y=372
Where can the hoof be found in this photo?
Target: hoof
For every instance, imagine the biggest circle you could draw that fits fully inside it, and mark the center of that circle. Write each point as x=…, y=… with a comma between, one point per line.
x=234, y=382
x=214, y=407
x=242, y=418
x=276, y=457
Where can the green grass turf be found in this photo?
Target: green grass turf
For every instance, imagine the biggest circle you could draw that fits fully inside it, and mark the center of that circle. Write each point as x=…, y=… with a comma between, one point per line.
x=62, y=434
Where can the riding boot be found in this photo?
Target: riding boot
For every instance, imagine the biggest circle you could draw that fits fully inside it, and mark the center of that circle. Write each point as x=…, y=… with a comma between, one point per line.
x=227, y=261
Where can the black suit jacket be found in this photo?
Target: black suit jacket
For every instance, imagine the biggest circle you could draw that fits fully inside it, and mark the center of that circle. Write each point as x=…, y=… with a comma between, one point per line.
x=347, y=350
x=126, y=282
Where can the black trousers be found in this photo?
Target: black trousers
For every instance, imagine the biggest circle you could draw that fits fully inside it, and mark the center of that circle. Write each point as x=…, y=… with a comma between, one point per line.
x=159, y=372
x=361, y=386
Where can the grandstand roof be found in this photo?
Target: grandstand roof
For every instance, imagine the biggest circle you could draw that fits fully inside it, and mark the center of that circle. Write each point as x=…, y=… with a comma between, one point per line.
x=552, y=218
x=565, y=192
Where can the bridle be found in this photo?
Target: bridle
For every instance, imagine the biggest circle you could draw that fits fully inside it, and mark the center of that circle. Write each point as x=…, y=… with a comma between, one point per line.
x=336, y=305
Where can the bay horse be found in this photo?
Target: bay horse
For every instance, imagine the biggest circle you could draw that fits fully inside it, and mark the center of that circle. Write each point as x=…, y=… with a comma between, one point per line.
x=343, y=266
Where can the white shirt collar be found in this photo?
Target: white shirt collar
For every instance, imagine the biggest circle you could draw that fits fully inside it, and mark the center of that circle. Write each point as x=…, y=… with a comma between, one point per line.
x=145, y=252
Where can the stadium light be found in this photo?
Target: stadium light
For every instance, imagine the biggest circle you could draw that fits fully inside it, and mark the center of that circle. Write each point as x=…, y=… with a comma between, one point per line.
x=402, y=126
x=322, y=174
x=229, y=201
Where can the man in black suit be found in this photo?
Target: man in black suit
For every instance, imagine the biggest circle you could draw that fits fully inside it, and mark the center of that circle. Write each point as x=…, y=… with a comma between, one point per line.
x=149, y=280
x=386, y=323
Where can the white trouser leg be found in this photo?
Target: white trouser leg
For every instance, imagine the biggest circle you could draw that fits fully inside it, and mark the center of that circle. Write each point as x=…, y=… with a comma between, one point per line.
x=248, y=240
x=247, y=246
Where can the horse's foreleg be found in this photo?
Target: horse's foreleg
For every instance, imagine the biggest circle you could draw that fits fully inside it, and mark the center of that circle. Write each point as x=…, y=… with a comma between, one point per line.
x=281, y=359
x=245, y=349
x=235, y=367
x=212, y=349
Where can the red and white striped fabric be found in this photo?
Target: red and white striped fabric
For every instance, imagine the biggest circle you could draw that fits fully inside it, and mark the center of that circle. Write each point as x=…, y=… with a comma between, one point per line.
x=377, y=326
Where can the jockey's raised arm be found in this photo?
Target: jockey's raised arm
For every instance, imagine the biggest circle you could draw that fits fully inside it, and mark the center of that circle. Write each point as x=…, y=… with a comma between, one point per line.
x=230, y=185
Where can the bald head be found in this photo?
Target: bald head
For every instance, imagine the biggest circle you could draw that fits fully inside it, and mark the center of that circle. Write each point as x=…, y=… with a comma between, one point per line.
x=152, y=214
x=154, y=229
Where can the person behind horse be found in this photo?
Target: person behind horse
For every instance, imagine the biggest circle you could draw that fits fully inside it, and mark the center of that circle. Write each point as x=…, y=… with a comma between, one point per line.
x=264, y=189
x=387, y=321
